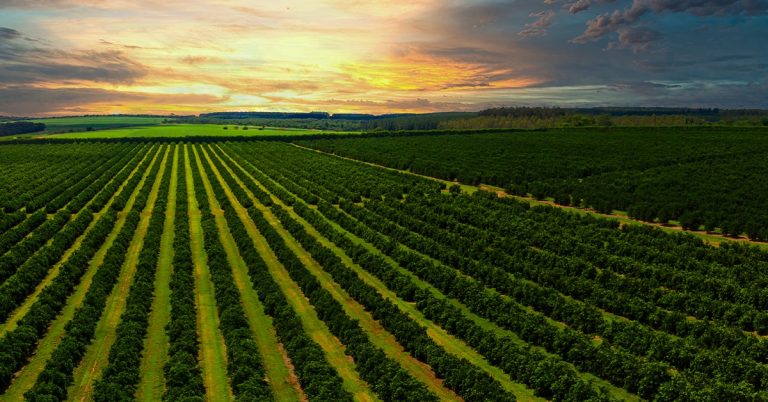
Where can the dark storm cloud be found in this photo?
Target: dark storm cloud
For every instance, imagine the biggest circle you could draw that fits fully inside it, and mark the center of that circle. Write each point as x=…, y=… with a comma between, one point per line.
x=707, y=94
x=635, y=38
x=9, y=34
x=575, y=7
x=679, y=53
x=644, y=88
x=23, y=62
x=718, y=63
x=501, y=37
x=623, y=19
x=699, y=7
x=538, y=27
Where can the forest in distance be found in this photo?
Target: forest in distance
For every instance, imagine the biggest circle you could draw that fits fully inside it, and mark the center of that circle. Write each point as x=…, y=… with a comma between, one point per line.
x=495, y=118
x=162, y=268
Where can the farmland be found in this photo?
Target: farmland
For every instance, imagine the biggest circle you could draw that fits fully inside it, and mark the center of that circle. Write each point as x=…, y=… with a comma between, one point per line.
x=103, y=127
x=188, y=130
x=701, y=179
x=65, y=124
x=264, y=270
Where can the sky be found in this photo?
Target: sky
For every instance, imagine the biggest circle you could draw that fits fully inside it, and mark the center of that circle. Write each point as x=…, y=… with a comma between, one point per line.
x=72, y=57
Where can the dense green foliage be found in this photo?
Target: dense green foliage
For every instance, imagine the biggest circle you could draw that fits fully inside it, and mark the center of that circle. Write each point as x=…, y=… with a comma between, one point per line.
x=317, y=377
x=389, y=380
x=709, y=177
x=496, y=118
x=20, y=127
x=541, y=117
x=431, y=236
x=324, y=121
x=58, y=372
x=489, y=296
x=243, y=361
x=120, y=377
x=182, y=370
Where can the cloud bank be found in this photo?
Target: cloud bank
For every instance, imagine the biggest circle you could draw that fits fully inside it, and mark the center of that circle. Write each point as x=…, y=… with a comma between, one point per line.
x=78, y=56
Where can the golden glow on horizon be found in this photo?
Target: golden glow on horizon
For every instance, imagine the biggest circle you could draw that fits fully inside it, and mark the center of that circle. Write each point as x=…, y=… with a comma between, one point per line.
x=191, y=57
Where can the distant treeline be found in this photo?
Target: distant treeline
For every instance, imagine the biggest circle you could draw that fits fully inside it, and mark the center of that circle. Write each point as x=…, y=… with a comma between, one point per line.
x=714, y=113
x=20, y=127
x=431, y=121
x=496, y=118
x=535, y=117
x=290, y=115
x=326, y=121
x=264, y=115
x=315, y=124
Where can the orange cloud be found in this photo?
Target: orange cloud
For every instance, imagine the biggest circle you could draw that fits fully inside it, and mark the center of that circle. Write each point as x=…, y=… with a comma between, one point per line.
x=424, y=73
x=149, y=56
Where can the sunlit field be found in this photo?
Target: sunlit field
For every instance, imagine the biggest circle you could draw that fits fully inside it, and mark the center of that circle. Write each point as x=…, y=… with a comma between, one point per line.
x=192, y=130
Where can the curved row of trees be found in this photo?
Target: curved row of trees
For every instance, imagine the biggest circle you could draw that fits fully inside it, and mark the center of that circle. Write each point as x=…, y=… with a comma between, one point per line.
x=588, y=319
x=9, y=220
x=15, y=234
x=617, y=366
x=459, y=374
x=689, y=354
x=548, y=375
x=542, y=294
x=389, y=380
x=705, y=291
x=17, y=345
x=504, y=352
x=641, y=171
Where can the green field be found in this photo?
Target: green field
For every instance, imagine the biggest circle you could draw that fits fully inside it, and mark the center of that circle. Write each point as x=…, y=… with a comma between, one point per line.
x=190, y=130
x=65, y=124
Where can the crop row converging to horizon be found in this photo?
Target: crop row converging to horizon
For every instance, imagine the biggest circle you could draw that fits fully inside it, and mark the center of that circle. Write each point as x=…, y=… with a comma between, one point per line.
x=261, y=270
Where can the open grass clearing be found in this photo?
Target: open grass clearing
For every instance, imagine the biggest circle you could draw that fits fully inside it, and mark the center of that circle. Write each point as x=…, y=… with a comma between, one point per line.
x=192, y=130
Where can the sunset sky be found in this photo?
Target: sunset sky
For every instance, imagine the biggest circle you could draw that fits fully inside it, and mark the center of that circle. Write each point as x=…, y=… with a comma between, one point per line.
x=62, y=57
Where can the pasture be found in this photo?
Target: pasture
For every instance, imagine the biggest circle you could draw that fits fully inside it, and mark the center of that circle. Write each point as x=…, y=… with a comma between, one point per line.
x=190, y=130
x=65, y=124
